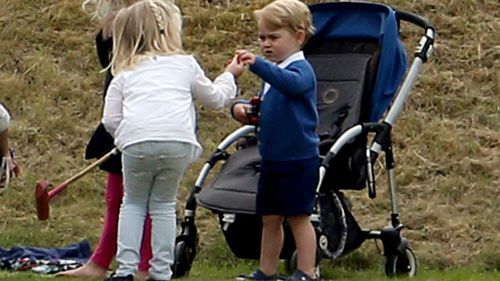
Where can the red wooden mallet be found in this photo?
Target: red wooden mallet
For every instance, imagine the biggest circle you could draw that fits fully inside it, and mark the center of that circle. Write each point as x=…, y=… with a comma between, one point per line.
x=43, y=195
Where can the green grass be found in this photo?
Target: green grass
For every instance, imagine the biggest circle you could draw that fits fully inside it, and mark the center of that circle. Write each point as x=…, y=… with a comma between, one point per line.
x=446, y=142
x=205, y=272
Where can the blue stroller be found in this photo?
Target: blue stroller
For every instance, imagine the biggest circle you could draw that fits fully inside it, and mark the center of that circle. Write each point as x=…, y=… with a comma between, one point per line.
x=360, y=64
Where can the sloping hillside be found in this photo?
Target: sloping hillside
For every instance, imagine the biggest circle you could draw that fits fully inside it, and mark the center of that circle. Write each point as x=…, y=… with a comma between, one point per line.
x=447, y=141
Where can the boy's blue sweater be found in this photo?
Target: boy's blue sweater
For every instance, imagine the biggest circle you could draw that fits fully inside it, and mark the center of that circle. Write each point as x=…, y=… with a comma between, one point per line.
x=288, y=114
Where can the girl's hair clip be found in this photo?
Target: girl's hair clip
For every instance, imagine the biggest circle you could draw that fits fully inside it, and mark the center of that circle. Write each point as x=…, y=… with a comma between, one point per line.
x=158, y=17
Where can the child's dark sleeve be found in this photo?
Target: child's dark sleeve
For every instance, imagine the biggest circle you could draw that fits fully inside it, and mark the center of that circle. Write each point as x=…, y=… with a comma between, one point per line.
x=104, y=48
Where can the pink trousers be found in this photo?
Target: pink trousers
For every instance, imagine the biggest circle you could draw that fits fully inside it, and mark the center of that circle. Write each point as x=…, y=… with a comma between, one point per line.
x=106, y=248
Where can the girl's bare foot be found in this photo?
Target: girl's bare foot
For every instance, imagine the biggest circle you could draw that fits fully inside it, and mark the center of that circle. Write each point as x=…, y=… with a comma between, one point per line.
x=141, y=275
x=89, y=269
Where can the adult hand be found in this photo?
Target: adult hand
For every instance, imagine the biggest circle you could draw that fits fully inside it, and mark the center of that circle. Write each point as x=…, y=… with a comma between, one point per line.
x=8, y=169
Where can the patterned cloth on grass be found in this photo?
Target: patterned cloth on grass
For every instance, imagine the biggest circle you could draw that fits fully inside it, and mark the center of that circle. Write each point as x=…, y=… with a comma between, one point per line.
x=42, y=260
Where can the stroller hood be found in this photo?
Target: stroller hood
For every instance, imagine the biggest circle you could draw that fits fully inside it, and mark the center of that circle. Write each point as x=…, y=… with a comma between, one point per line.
x=345, y=20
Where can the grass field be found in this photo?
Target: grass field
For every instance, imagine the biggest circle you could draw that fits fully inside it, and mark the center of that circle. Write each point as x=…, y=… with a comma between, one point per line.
x=446, y=142
x=227, y=273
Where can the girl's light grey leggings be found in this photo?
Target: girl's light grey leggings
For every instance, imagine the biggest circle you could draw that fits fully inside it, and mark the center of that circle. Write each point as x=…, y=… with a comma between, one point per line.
x=151, y=172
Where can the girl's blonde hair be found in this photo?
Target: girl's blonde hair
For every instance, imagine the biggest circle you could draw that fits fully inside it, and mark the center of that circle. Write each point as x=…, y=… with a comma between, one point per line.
x=291, y=14
x=147, y=28
x=101, y=8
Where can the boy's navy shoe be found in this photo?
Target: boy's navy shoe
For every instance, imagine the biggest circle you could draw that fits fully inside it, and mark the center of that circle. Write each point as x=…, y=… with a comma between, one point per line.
x=112, y=277
x=258, y=275
x=301, y=276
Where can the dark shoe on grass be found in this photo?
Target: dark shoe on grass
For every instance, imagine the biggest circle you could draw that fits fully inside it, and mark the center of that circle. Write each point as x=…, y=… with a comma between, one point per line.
x=113, y=277
x=257, y=275
x=301, y=276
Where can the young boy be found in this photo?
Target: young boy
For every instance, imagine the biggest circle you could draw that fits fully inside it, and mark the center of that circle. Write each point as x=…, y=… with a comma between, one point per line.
x=8, y=166
x=288, y=142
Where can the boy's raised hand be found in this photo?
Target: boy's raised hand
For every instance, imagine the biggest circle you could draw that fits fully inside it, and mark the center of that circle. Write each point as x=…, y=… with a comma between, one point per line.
x=246, y=57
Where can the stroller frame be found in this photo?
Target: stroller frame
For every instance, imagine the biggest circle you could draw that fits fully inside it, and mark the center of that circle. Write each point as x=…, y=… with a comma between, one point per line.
x=400, y=259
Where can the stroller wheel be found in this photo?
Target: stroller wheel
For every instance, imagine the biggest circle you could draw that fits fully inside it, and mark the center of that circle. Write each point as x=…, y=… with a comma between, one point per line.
x=404, y=264
x=182, y=263
x=291, y=264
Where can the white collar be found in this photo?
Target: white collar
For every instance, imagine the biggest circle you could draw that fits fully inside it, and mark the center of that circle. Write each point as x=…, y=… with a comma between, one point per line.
x=292, y=58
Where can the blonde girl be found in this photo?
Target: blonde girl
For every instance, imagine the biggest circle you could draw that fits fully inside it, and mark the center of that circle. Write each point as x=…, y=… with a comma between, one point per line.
x=149, y=110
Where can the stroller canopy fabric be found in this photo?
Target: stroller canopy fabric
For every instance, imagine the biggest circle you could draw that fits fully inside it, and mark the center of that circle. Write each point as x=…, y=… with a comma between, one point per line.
x=347, y=20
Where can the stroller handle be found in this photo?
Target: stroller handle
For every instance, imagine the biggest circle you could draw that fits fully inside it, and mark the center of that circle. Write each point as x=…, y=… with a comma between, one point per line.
x=426, y=44
x=415, y=19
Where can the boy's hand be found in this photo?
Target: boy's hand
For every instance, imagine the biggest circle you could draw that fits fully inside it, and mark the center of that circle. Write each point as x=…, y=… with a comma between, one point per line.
x=239, y=112
x=235, y=67
x=246, y=57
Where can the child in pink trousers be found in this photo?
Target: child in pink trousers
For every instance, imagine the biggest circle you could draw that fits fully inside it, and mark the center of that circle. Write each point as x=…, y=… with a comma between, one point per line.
x=101, y=143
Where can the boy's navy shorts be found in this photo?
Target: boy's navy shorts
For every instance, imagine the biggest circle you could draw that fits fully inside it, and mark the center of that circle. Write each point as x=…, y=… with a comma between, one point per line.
x=287, y=188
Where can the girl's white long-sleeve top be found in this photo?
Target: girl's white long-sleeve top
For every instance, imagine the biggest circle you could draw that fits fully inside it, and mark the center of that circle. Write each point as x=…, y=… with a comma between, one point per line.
x=4, y=118
x=154, y=101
